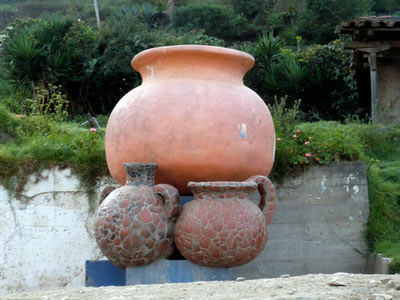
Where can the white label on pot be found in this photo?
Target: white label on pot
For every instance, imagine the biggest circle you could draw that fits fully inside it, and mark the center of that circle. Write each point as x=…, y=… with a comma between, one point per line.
x=242, y=128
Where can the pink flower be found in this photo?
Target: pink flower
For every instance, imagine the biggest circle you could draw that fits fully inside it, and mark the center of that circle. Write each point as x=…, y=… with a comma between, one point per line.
x=82, y=141
x=279, y=139
x=294, y=136
x=307, y=143
x=308, y=154
x=298, y=131
x=93, y=129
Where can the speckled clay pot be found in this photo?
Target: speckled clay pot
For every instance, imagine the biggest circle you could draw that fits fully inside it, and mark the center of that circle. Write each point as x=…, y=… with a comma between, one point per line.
x=134, y=224
x=221, y=226
x=193, y=116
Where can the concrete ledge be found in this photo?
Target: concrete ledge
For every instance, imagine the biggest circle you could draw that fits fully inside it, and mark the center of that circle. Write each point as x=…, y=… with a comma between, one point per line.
x=377, y=264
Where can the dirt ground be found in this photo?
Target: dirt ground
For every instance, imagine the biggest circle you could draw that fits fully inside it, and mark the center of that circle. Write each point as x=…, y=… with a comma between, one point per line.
x=316, y=286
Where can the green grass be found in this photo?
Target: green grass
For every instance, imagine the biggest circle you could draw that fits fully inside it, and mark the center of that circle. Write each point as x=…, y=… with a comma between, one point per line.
x=383, y=233
x=39, y=143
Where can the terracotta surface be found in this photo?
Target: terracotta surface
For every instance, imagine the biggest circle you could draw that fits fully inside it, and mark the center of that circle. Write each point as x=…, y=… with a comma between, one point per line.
x=134, y=224
x=221, y=227
x=193, y=116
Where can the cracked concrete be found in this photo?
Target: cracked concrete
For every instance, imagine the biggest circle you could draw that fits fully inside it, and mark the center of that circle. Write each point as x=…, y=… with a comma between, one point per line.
x=47, y=237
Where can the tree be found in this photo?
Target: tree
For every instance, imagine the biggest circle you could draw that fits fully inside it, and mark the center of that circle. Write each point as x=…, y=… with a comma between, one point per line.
x=318, y=21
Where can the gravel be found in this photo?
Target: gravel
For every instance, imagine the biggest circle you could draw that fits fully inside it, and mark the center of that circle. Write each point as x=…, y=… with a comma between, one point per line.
x=338, y=286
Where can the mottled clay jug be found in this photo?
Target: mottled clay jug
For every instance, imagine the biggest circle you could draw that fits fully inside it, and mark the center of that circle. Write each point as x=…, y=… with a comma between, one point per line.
x=193, y=116
x=221, y=227
x=134, y=224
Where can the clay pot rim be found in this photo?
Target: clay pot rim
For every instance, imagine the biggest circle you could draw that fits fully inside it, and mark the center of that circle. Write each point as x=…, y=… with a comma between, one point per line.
x=220, y=186
x=145, y=57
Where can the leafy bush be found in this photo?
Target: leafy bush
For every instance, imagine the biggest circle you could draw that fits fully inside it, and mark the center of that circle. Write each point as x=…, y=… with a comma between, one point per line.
x=333, y=86
x=251, y=9
x=386, y=6
x=93, y=67
x=318, y=21
x=266, y=51
x=217, y=20
x=321, y=76
x=301, y=144
x=21, y=59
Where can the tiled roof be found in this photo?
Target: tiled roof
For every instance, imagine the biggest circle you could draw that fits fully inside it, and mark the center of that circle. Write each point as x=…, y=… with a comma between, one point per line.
x=372, y=22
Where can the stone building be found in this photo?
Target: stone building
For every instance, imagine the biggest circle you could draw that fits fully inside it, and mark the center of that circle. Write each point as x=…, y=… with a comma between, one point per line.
x=376, y=45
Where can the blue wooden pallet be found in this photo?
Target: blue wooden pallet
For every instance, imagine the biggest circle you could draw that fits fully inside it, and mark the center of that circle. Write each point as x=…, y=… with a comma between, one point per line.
x=103, y=273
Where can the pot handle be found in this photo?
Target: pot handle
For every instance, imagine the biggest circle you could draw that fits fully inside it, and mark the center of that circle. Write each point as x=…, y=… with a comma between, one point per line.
x=267, y=191
x=170, y=195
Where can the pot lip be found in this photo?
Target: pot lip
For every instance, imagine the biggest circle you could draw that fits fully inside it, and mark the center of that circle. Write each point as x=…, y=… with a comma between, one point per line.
x=150, y=54
x=220, y=186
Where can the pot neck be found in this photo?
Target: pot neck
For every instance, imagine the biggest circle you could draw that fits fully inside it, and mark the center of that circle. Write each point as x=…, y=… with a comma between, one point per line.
x=140, y=173
x=193, y=61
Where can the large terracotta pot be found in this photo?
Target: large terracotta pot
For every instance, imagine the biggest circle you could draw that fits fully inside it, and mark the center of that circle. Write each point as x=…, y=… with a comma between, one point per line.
x=134, y=224
x=193, y=116
x=221, y=227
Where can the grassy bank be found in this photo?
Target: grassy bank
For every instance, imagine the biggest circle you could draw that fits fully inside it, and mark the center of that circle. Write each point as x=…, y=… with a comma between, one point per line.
x=31, y=144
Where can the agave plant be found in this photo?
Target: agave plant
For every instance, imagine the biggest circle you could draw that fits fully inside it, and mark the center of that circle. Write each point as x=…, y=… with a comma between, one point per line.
x=287, y=75
x=128, y=11
x=268, y=47
x=149, y=14
x=21, y=58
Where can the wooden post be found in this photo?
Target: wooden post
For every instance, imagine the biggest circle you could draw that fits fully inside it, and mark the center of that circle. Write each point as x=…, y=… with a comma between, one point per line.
x=374, y=100
x=373, y=66
x=96, y=9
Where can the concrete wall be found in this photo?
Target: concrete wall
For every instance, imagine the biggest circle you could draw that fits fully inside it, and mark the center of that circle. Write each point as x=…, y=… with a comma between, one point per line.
x=319, y=224
x=47, y=235
x=388, y=93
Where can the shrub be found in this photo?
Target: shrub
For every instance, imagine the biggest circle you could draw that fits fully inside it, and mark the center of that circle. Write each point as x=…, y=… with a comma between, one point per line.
x=21, y=59
x=321, y=76
x=386, y=6
x=92, y=66
x=217, y=20
x=51, y=52
x=49, y=103
x=301, y=144
x=251, y=9
x=318, y=21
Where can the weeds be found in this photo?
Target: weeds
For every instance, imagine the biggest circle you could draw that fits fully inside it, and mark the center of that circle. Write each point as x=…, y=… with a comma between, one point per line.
x=41, y=142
